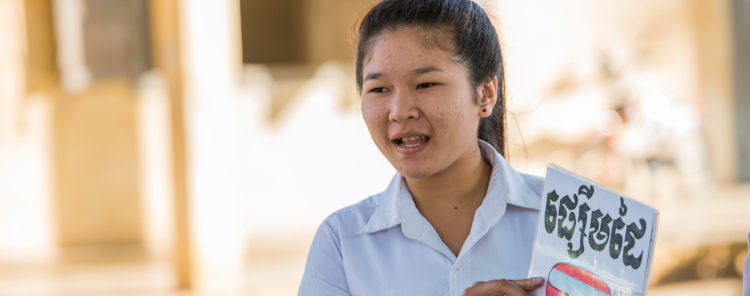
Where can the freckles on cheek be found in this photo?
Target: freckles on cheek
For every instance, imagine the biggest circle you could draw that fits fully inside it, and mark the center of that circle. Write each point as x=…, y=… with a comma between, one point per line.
x=442, y=120
x=459, y=108
x=373, y=116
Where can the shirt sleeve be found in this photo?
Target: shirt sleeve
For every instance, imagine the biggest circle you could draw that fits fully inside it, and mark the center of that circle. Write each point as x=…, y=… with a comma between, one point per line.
x=324, y=272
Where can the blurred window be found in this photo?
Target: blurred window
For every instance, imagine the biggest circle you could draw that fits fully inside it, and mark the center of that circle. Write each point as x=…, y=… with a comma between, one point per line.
x=273, y=31
x=116, y=38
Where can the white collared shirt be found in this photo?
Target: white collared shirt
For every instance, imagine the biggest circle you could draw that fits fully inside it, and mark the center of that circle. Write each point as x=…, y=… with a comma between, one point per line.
x=383, y=246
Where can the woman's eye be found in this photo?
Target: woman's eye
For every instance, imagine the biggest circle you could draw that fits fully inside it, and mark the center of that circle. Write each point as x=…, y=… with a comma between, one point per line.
x=378, y=90
x=425, y=85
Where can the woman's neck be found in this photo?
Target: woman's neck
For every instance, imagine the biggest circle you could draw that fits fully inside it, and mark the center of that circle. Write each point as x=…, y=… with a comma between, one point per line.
x=461, y=185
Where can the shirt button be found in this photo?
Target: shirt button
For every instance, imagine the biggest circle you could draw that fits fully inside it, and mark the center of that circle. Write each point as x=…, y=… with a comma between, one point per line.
x=458, y=269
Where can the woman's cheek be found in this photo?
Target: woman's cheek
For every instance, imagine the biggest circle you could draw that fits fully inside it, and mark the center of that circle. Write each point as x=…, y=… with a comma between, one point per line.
x=374, y=117
x=443, y=117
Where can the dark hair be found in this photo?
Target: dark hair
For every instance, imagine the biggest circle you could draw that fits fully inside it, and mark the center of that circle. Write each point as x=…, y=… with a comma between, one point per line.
x=458, y=26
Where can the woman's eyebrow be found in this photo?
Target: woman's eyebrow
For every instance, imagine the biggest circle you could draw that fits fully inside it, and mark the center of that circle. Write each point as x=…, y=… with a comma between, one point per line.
x=419, y=71
x=373, y=76
x=424, y=70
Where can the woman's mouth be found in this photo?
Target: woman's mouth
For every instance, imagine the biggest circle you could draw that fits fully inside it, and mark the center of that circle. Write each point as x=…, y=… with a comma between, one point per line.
x=409, y=144
x=411, y=141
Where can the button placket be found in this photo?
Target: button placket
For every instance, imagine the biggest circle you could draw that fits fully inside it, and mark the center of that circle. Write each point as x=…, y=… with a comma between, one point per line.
x=459, y=278
x=458, y=269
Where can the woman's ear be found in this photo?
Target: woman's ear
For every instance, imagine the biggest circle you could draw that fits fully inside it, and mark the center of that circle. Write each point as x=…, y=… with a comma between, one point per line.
x=487, y=97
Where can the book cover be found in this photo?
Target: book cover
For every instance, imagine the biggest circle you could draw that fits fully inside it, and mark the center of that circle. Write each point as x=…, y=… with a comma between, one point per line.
x=591, y=240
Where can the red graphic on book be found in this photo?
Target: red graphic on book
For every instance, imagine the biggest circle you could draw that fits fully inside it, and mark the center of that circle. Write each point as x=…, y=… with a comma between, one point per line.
x=569, y=280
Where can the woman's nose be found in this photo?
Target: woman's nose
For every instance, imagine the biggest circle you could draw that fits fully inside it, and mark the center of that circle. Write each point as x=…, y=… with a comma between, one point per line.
x=403, y=107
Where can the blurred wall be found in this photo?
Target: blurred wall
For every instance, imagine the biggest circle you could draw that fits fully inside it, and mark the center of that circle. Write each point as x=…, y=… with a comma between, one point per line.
x=97, y=165
x=741, y=23
x=95, y=140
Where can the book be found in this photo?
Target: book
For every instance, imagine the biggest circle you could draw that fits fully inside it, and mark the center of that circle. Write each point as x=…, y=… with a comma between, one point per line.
x=591, y=240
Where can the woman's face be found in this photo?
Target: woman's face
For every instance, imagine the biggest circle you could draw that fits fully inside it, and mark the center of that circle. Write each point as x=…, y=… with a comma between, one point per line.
x=418, y=105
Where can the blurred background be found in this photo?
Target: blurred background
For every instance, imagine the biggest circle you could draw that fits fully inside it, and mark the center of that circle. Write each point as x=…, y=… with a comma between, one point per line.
x=183, y=147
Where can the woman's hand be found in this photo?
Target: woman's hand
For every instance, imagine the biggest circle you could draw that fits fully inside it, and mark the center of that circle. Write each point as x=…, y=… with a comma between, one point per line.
x=504, y=287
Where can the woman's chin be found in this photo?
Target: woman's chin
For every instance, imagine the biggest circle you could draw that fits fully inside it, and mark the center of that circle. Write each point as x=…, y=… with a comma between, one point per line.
x=414, y=173
x=415, y=167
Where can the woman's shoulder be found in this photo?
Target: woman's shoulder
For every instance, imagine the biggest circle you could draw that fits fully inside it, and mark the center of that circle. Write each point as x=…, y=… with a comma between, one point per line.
x=324, y=270
x=353, y=217
x=363, y=205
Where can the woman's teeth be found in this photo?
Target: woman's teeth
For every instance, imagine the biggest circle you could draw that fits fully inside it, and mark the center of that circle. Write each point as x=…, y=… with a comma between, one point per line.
x=413, y=138
x=410, y=141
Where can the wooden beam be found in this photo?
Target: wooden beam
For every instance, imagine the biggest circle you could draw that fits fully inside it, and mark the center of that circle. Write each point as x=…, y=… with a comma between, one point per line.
x=41, y=74
x=166, y=42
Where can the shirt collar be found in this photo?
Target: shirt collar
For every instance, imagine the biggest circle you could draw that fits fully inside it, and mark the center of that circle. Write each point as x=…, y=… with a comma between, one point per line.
x=506, y=186
x=386, y=214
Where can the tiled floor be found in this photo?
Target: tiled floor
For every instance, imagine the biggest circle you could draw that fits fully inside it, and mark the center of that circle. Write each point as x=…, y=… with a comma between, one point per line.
x=155, y=279
x=121, y=279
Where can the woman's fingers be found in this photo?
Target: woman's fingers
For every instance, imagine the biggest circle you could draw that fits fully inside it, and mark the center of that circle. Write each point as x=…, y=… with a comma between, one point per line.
x=496, y=287
x=529, y=284
x=504, y=287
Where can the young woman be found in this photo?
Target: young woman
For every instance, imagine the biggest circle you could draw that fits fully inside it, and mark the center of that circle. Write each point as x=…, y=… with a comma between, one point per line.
x=456, y=219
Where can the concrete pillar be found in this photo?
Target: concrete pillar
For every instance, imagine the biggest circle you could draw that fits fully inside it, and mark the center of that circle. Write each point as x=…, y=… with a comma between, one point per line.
x=26, y=227
x=712, y=29
x=212, y=64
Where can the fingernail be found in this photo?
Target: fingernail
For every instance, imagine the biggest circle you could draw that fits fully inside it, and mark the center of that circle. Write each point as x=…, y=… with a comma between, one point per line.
x=535, y=279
